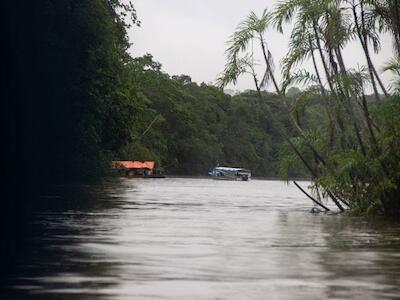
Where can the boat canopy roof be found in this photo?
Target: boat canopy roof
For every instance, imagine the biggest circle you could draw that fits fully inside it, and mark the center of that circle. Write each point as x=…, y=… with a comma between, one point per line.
x=126, y=164
x=230, y=169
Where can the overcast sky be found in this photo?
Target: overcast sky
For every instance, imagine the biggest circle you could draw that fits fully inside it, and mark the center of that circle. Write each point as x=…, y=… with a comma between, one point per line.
x=189, y=37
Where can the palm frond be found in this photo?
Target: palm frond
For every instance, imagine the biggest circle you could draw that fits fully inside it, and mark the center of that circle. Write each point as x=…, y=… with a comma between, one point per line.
x=233, y=70
x=393, y=66
x=302, y=77
x=284, y=13
x=267, y=75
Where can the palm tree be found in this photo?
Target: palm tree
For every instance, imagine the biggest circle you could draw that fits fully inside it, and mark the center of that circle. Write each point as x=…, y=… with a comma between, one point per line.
x=324, y=27
x=234, y=68
x=232, y=72
x=387, y=14
x=306, y=29
x=335, y=27
x=364, y=25
x=308, y=14
x=331, y=32
x=253, y=28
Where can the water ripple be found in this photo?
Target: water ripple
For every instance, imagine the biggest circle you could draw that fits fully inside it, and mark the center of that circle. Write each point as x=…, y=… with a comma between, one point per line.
x=202, y=239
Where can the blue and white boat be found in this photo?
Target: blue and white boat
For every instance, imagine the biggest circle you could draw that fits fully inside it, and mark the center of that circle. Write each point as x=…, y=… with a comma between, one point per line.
x=230, y=173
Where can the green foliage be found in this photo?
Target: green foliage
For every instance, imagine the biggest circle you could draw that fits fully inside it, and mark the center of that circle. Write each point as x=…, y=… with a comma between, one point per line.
x=76, y=102
x=393, y=66
x=198, y=125
x=83, y=100
x=355, y=137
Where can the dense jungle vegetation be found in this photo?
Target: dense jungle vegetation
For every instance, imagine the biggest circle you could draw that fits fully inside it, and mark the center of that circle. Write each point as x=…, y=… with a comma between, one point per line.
x=74, y=99
x=83, y=101
x=189, y=128
x=352, y=153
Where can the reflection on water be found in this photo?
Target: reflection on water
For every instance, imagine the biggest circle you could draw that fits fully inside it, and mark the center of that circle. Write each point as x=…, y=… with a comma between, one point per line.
x=201, y=239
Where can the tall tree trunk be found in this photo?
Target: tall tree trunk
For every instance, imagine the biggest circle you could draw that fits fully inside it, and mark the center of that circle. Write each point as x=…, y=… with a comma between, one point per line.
x=344, y=93
x=332, y=61
x=397, y=25
x=364, y=45
x=324, y=64
x=371, y=74
x=283, y=133
x=315, y=66
x=279, y=92
x=367, y=116
x=280, y=129
x=278, y=126
x=341, y=63
x=332, y=125
x=338, y=122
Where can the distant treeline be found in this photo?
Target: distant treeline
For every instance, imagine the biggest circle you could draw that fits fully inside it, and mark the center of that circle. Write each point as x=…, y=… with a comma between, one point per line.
x=81, y=100
x=73, y=99
x=189, y=128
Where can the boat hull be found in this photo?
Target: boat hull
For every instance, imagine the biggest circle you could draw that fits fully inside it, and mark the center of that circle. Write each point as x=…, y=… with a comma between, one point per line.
x=230, y=178
x=229, y=173
x=146, y=176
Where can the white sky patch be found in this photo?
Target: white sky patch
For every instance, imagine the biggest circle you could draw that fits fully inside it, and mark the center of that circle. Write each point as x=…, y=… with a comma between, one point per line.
x=189, y=37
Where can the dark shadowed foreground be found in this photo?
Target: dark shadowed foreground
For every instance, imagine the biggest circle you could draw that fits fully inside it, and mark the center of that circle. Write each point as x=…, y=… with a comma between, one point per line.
x=201, y=239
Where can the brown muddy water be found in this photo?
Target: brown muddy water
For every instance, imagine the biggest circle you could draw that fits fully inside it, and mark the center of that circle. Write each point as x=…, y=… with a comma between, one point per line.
x=182, y=238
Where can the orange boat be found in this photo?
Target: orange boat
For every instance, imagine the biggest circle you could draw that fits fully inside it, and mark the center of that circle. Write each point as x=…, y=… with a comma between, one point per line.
x=146, y=169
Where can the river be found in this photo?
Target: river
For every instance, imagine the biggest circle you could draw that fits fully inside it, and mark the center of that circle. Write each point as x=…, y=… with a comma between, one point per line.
x=187, y=238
